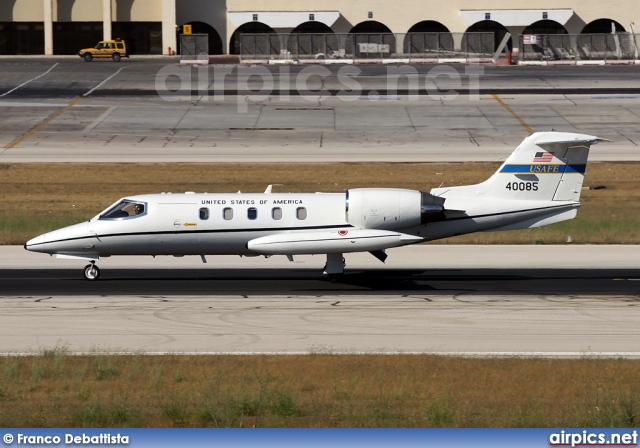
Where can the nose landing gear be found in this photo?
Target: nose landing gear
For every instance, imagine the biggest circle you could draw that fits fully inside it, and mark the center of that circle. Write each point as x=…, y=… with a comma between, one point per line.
x=91, y=271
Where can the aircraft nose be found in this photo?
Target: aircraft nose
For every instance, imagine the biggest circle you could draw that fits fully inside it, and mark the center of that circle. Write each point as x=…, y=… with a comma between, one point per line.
x=37, y=244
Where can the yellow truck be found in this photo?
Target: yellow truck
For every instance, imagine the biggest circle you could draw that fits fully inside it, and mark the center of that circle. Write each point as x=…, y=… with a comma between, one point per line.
x=114, y=49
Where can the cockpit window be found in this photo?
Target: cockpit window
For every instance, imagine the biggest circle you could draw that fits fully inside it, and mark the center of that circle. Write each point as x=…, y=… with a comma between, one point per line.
x=125, y=209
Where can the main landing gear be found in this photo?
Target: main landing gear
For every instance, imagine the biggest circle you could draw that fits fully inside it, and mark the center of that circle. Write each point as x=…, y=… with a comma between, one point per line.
x=334, y=269
x=91, y=271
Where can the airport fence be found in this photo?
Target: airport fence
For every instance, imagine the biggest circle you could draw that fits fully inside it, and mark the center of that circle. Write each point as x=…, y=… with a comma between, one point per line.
x=578, y=47
x=194, y=46
x=367, y=46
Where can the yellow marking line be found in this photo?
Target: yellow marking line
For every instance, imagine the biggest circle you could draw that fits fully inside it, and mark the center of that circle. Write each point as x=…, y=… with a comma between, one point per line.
x=513, y=113
x=23, y=137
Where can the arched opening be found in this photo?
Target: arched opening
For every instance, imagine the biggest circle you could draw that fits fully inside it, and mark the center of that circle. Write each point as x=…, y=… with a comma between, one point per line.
x=472, y=44
x=552, y=42
x=371, y=39
x=370, y=26
x=215, y=42
x=597, y=42
x=123, y=11
x=545, y=27
x=312, y=27
x=602, y=26
x=312, y=39
x=428, y=26
x=257, y=46
x=427, y=38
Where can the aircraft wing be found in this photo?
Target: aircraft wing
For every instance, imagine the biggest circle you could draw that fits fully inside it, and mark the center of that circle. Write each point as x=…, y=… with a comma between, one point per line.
x=329, y=241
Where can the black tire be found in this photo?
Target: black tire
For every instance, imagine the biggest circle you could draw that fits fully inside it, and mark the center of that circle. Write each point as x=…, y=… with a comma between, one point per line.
x=115, y=57
x=91, y=272
x=334, y=278
x=88, y=57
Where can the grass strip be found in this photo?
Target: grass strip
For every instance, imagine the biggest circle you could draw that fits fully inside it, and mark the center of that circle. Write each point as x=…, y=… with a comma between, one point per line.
x=56, y=389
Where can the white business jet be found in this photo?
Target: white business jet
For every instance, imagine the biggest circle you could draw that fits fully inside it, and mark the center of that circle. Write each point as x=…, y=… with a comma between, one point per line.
x=539, y=184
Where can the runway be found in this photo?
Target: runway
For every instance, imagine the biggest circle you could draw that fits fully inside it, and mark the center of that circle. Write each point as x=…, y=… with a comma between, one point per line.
x=483, y=300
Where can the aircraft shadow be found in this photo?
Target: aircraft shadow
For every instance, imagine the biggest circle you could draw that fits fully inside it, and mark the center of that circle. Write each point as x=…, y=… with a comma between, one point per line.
x=242, y=282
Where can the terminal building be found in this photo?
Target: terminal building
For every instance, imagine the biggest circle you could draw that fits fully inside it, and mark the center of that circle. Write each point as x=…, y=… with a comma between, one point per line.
x=59, y=27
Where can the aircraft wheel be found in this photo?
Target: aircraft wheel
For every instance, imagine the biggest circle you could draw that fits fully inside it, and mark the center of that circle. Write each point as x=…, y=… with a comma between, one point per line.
x=91, y=272
x=333, y=278
x=115, y=57
x=88, y=57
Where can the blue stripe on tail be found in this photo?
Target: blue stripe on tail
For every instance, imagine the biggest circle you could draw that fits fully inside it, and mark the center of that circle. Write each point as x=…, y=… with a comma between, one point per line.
x=543, y=169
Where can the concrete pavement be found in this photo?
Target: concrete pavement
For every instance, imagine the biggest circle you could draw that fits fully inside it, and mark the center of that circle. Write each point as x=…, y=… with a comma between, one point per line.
x=70, y=111
x=567, y=301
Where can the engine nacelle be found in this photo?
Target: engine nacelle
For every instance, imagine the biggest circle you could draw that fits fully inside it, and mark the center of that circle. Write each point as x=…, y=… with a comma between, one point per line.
x=392, y=208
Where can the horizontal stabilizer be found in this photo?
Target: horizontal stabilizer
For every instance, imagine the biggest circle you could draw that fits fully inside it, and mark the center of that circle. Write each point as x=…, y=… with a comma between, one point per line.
x=588, y=140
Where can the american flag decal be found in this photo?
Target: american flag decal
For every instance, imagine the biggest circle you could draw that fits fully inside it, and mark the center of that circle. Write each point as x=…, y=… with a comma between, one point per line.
x=543, y=157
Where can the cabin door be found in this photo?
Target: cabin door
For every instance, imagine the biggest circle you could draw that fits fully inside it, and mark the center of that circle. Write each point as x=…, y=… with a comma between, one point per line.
x=176, y=229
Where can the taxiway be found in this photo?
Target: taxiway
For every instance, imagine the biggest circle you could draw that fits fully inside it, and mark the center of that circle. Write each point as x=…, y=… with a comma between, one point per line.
x=154, y=111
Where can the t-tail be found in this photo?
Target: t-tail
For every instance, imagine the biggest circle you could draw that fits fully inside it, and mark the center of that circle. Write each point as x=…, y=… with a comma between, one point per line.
x=539, y=184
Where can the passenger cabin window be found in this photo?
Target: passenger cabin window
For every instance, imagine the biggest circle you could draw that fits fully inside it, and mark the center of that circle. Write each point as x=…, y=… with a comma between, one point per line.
x=227, y=213
x=125, y=209
x=252, y=213
x=301, y=213
x=276, y=213
x=204, y=213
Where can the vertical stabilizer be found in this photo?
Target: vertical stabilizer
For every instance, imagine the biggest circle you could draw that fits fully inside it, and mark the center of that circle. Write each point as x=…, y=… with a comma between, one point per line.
x=547, y=166
x=539, y=184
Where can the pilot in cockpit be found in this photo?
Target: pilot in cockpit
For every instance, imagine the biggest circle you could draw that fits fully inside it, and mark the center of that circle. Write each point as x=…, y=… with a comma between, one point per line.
x=123, y=210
